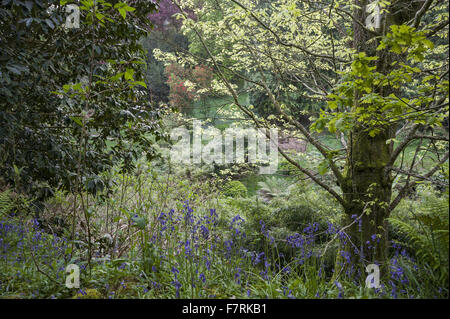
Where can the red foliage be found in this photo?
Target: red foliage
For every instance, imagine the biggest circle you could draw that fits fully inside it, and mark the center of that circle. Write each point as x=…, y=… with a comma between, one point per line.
x=163, y=18
x=177, y=75
x=202, y=75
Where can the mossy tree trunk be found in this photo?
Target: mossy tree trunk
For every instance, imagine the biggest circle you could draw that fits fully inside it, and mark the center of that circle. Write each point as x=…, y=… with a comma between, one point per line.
x=367, y=192
x=367, y=188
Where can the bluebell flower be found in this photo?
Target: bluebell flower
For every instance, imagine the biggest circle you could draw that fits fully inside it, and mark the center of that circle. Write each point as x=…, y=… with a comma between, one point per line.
x=205, y=231
x=187, y=248
x=237, y=275
x=339, y=286
x=177, y=286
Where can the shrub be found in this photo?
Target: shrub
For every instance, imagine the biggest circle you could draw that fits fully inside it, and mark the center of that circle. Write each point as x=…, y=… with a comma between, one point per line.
x=234, y=189
x=179, y=96
x=295, y=218
x=186, y=85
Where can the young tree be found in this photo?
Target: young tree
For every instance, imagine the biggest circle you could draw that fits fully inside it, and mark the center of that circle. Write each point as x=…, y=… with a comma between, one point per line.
x=380, y=67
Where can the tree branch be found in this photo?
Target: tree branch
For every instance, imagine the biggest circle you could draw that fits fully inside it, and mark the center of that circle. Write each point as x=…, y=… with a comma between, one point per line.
x=421, y=12
x=402, y=145
x=256, y=121
x=405, y=189
x=280, y=41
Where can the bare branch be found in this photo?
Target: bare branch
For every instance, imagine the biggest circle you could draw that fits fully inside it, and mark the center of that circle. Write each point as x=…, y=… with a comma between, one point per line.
x=296, y=123
x=421, y=12
x=359, y=22
x=417, y=175
x=402, y=145
x=431, y=137
x=405, y=189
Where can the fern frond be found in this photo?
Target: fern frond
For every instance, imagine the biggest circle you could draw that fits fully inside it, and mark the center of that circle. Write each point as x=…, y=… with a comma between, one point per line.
x=6, y=202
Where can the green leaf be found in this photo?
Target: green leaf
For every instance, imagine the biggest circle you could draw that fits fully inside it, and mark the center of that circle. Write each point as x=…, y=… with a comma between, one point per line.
x=100, y=16
x=123, y=8
x=77, y=119
x=141, y=83
x=323, y=167
x=389, y=141
x=16, y=170
x=123, y=12
x=374, y=132
x=129, y=74
x=117, y=76
x=13, y=69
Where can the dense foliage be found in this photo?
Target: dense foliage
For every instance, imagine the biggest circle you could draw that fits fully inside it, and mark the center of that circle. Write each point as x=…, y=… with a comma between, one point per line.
x=71, y=97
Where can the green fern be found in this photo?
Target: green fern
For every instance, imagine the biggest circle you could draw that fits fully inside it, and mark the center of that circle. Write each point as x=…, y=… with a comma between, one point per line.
x=6, y=202
x=274, y=187
x=428, y=234
x=13, y=203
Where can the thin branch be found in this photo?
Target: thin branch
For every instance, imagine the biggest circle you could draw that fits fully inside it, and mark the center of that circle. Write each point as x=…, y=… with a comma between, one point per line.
x=405, y=189
x=359, y=22
x=402, y=145
x=417, y=175
x=438, y=28
x=293, y=121
x=431, y=137
x=280, y=41
x=421, y=12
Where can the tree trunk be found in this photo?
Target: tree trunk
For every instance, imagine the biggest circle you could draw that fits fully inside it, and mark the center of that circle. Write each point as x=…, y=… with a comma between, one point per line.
x=367, y=189
x=367, y=192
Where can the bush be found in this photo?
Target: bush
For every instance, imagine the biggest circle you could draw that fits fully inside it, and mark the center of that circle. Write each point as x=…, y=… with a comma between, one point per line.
x=274, y=187
x=295, y=218
x=186, y=84
x=234, y=189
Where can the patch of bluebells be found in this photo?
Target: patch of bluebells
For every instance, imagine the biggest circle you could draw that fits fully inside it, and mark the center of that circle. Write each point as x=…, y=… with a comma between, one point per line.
x=303, y=243
x=287, y=292
x=17, y=240
x=202, y=245
x=237, y=275
x=202, y=277
x=398, y=278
